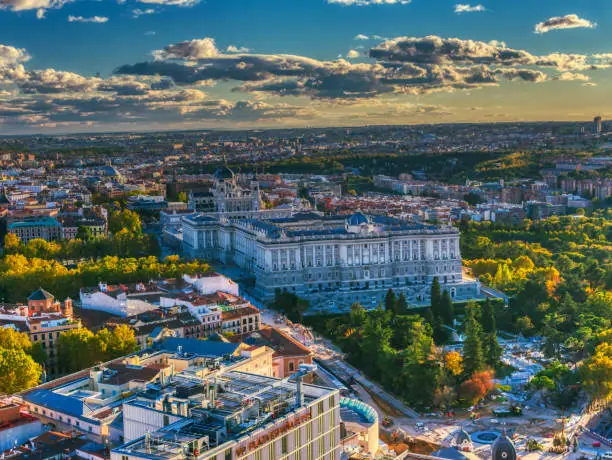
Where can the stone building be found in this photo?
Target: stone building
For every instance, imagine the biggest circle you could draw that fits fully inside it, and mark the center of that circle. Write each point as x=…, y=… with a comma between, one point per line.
x=333, y=257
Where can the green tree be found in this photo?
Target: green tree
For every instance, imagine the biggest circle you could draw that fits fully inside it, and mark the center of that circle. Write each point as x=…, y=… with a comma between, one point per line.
x=596, y=372
x=84, y=233
x=300, y=308
x=492, y=350
x=18, y=371
x=402, y=304
x=473, y=356
x=376, y=339
x=525, y=325
x=77, y=349
x=12, y=244
x=447, y=309
x=436, y=297
x=11, y=339
x=122, y=342
x=391, y=301
x=125, y=220
x=488, y=317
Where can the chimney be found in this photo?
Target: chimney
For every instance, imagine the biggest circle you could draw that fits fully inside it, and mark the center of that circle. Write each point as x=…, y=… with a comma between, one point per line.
x=299, y=395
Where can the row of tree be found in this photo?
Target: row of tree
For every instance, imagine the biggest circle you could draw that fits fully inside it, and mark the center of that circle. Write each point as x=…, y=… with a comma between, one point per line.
x=20, y=275
x=399, y=350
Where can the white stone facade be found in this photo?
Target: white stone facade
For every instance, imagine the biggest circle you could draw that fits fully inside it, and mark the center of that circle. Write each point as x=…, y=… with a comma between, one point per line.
x=310, y=254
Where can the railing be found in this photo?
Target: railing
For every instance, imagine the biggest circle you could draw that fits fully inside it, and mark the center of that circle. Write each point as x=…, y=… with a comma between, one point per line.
x=361, y=408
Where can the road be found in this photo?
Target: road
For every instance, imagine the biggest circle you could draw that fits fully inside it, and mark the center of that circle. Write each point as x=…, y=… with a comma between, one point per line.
x=328, y=355
x=438, y=429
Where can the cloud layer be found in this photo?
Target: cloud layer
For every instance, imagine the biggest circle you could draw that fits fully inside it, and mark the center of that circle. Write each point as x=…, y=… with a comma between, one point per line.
x=174, y=86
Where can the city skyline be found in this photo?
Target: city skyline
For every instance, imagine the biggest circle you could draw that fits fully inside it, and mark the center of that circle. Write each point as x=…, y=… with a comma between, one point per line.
x=181, y=64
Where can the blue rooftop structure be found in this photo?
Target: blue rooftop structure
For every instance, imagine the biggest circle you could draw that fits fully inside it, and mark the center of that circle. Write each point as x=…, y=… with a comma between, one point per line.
x=58, y=402
x=357, y=219
x=35, y=222
x=205, y=348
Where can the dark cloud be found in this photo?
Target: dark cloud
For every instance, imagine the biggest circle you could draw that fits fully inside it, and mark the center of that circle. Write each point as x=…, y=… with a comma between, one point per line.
x=437, y=50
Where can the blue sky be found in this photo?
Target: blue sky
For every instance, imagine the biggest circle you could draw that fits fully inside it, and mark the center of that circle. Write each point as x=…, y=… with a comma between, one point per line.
x=323, y=30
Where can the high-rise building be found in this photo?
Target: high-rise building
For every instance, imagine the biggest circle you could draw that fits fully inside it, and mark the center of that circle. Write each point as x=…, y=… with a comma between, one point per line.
x=597, y=125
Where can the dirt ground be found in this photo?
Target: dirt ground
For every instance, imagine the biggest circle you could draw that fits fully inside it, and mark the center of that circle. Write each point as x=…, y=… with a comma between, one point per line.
x=417, y=446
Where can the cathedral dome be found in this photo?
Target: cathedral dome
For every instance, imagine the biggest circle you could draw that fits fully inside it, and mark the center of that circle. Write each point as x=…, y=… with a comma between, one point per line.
x=503, y=449
x=462, y=437
x=357, y=219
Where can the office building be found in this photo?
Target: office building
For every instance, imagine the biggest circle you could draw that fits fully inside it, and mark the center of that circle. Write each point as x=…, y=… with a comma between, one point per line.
x=597, y=125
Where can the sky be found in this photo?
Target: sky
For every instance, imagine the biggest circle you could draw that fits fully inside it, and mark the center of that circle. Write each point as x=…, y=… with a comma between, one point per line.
x=123, y=65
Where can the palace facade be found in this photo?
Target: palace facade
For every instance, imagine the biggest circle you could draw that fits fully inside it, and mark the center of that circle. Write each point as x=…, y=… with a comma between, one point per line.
x=310, y=254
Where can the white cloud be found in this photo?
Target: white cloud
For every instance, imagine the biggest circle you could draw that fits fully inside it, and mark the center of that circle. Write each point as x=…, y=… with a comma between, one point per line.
x=572, y=76
x=180, y=3
x=353, y=54
x=93, y=19
x=570, y=21
x=40, y=13
x=198, y=48
x=10, y=56
x=467, y=8
x=369, y=2
x=237, y=49
x=150, y=33
x=25, y=5
x=361, y=37
x=136, y=13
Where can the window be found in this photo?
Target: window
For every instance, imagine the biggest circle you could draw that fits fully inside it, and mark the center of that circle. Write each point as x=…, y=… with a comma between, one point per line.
x=166, y=420
x=284, y=444
x=291, y=366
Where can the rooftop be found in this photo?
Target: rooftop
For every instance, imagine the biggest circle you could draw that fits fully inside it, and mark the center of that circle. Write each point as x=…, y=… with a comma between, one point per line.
x=239, y=406
x=202, y=348
x=281, y=343
x=41, y=294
